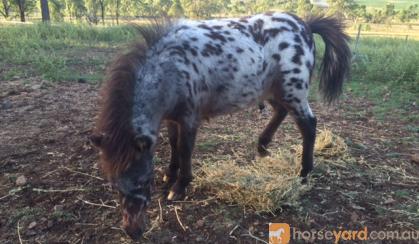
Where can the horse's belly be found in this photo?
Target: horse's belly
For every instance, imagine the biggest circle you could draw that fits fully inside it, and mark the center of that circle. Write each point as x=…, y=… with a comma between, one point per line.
x=232, y=98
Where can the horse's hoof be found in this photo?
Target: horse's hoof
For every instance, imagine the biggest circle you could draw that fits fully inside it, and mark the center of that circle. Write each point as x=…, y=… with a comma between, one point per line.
x=263, y=152
x=165, y=179
x=173, y=196
x=168, y=182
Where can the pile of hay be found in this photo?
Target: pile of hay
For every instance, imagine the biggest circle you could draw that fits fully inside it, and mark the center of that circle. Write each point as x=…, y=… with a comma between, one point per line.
x=265, y=184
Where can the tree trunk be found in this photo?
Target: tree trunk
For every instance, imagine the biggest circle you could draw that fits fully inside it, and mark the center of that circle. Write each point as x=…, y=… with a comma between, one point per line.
x=21, y=6
x=117, y=11
x=102, y=11
x=6, y=9
x=45, y=11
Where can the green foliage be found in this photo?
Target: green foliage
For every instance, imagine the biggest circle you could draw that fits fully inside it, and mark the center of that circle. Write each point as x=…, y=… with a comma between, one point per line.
x=6, y=8
x=385, y=71
x=176, y=10
x=93, y=11
x=344, y=8
x=411, y=13
x=57, y=10
x=22, y=7
x=58, y=52
x=75, y=8
x=201, y=8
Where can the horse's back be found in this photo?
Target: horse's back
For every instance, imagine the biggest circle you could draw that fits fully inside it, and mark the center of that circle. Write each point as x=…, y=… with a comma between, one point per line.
x=230, y=63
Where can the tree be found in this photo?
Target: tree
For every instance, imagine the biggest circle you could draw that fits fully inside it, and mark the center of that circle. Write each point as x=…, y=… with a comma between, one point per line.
x=6, y=8
x=45, y=11
x=344, y=8
x=408, y=14
x=176, y=10
x=56, y=7
x=102, y=4
x=115, y=6
x=92, y=7
x=23, y=7
x=201, y=8
x=75, y=8
x=304, y=7
x=390, y=10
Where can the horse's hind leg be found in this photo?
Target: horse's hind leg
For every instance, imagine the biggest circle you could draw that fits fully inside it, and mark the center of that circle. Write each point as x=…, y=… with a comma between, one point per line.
x=306, y=122
x=280, y=112
x=170, y=175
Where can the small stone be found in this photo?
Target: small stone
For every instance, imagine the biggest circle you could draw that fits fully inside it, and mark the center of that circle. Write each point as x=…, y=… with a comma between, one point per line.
x=31, y=232
x=32, y=225
x=36, y=86
x=21, y=180
x=6, y=105
x=58, y=208
x=200, y=223
x=415, y=158
x=354, y=217
x=50, y=223
x=389, y=201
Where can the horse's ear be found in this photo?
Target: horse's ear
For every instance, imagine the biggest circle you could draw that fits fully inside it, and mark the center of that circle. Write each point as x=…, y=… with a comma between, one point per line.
x=96, y=139
x=143, y=142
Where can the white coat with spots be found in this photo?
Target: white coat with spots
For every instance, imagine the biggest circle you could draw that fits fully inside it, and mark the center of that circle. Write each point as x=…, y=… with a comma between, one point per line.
x=200, y=69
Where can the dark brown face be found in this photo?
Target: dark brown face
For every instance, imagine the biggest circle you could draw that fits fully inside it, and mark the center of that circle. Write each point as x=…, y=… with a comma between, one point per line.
x=135, y=187
x=134, y=216
x=134, y=184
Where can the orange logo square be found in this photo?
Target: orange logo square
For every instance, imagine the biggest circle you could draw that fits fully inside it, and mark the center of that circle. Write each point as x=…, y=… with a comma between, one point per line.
x=279, y=233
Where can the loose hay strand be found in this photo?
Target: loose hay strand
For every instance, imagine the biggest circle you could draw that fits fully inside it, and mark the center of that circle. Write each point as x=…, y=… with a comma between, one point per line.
x=265, y=184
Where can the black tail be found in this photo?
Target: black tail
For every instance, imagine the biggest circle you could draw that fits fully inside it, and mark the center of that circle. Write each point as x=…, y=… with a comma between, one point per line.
x=337, y=55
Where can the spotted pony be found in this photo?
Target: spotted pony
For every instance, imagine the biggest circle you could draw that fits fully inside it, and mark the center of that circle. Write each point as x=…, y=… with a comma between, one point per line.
x=189, y=71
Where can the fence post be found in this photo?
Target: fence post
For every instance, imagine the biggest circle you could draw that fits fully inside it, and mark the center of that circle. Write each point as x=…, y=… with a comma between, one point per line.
x=357, y=41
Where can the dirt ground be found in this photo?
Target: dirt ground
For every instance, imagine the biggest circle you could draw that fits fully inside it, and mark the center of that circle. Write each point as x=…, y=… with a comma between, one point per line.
x=51, y=190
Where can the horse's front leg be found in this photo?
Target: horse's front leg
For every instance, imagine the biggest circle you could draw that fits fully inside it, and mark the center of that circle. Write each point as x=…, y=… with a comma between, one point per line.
x=170, y=176
x=187, y=136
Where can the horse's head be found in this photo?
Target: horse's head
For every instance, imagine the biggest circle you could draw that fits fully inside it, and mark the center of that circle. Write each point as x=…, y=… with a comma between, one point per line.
x=134, y=182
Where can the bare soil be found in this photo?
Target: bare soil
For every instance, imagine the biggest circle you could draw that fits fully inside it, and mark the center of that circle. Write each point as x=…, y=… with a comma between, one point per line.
x=62, y=197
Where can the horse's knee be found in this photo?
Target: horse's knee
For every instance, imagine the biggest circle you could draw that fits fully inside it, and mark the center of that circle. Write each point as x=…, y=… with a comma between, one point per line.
x=307, y=127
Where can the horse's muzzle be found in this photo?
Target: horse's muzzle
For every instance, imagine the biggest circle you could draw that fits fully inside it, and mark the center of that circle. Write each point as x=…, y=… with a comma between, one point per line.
x=134, y=233
x=134, y=226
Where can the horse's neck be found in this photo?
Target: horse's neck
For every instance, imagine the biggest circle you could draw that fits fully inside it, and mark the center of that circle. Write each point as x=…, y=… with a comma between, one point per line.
x=151, y=103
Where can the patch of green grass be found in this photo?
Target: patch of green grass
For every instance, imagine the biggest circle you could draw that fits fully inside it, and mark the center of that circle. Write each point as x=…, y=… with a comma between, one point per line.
x=208, y=144
x=27, y=213
x=385, y=71
x=59, y=52
x=380, y=4
x=63, y=216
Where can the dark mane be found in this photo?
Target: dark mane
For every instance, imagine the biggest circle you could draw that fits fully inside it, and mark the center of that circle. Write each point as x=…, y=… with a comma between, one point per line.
x=114, y=121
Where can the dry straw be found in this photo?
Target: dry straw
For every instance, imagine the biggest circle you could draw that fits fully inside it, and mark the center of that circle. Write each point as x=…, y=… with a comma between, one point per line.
x=265, y=184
